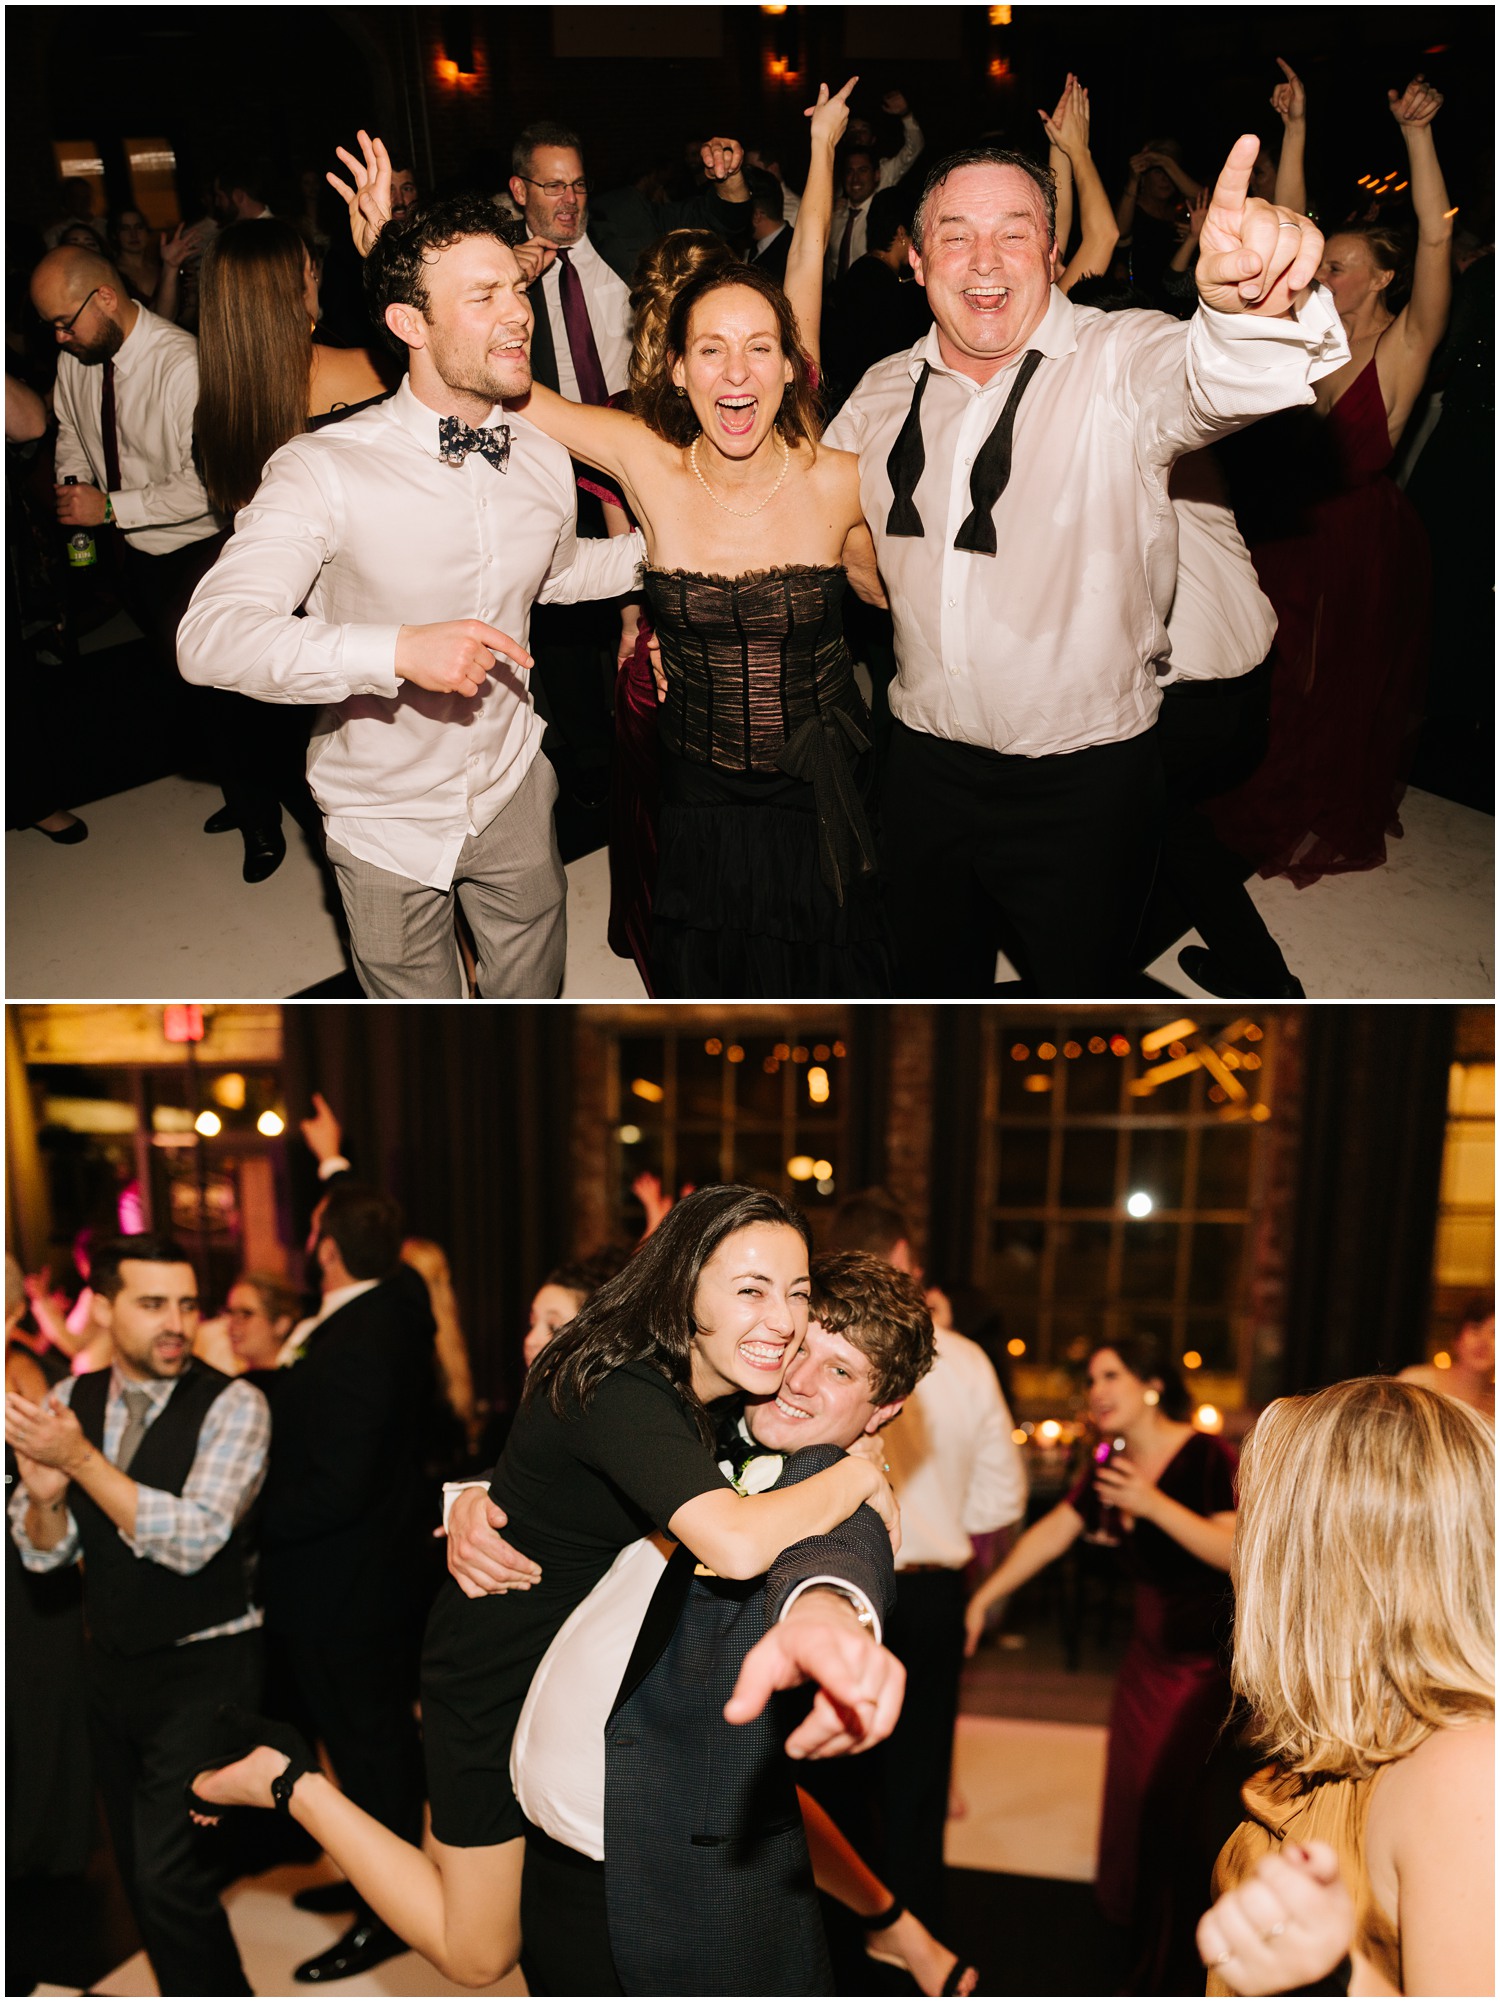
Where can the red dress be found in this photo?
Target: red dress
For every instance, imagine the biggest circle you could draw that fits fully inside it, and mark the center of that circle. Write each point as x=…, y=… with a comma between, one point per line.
x=1352, y=596
x=1171, y=1697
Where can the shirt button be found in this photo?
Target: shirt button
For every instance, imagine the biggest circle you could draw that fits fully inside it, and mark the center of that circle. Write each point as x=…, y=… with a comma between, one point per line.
x=953, y=601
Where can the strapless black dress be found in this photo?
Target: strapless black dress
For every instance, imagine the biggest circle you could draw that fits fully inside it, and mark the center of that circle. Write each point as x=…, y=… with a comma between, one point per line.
x=766, y=883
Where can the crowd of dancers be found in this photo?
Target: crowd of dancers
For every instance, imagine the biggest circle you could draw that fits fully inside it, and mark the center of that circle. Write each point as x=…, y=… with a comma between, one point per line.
x=698, y=1510
x=985, y=664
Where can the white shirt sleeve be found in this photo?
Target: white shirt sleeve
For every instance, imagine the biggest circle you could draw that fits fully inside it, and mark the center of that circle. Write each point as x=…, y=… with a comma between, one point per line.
x=997, y=1488
x=240, y=630
x=177, y=495
x=592, y=566
x=892, y=170
x=70, y=458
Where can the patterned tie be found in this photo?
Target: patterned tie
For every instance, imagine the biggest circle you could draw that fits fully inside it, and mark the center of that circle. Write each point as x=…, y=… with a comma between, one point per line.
x=112, y=481
x=587, y=367
x=989, y=479
x=456, y=440
x=137, y=1404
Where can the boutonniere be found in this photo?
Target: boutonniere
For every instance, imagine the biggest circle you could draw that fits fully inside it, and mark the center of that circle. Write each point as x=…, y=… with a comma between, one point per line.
x=756, y=1474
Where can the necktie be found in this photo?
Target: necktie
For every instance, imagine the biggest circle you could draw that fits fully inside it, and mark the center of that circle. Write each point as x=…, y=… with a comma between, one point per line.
x=987, y=482
x=112, y=480
x=137, y=1404
x=587, y=367
x=456, y=440
x=844, y=243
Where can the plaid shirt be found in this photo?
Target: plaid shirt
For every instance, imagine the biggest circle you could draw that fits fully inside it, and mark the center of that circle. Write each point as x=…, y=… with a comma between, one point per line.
x=182, y=1531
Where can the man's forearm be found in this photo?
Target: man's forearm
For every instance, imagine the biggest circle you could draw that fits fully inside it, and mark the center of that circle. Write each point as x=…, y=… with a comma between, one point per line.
x=103, y=1483
x=46, y=1523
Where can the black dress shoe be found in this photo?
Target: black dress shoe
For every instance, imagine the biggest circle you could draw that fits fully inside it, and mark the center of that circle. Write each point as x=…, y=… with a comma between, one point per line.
x=67, y=837
x=367, y=1943
x=1200, y=966
x=222, y=822
x=265, y=848
x=339, y=1897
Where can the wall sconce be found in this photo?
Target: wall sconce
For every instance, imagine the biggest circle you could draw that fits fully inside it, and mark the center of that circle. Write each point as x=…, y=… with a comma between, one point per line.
x=458, y=41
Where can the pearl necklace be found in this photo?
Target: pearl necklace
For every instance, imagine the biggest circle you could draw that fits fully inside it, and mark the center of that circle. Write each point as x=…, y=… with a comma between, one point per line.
x=744, y=513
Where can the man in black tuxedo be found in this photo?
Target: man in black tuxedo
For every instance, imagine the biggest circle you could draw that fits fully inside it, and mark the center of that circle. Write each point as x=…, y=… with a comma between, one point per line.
x=345, y=1526
x=666, y=1854
x=770, y=232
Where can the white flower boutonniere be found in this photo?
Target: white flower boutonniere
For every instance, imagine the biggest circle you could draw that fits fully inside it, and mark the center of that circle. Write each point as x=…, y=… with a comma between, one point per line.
x=756, y=1476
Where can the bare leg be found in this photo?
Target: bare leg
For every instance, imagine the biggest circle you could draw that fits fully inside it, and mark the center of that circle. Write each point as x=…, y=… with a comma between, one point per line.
x=460, y=1908
x=842, y=1873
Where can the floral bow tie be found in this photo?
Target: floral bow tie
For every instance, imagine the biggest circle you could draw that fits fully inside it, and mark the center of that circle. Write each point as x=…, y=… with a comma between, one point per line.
x=456, y=440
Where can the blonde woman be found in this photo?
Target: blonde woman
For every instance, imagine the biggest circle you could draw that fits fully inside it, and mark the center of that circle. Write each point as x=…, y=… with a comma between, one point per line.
x=1364, y=1560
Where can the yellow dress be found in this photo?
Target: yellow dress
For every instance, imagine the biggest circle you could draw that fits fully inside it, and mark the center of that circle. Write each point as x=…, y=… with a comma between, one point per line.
x=1295, y=1808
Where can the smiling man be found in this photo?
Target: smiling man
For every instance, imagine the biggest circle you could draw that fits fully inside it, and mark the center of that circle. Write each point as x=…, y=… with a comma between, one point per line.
x=1013, y=470
x=650, y=1809
x=416, y=537
x=147, y=1472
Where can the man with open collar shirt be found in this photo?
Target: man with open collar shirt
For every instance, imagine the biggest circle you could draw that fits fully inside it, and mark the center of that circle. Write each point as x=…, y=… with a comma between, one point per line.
x=1013, y=467
x=416, y=537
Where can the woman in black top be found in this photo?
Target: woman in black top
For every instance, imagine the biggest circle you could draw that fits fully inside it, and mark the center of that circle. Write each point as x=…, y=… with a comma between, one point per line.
x=612, y=1440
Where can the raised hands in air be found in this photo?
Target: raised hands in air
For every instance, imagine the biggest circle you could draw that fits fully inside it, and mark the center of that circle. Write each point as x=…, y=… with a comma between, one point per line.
x=830, y=115
x=1418, y=104
x=369, y=200
x=1254, y=257
x=1289, y=99
x=1068, y=127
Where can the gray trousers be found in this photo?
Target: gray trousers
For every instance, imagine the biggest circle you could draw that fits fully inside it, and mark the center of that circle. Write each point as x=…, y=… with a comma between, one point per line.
x=510, y=882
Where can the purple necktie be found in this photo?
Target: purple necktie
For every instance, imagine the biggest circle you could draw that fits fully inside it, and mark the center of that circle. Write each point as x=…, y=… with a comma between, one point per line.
x=587, y=367
x=844, y=246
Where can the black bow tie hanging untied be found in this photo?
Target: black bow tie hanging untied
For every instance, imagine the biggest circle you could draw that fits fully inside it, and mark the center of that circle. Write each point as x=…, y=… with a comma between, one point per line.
x=456, y=440
x=987, y=482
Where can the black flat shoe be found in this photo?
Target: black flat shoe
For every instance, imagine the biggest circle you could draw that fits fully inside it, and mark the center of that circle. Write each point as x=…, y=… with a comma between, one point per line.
x=67, y=837
x=367, y=1943
x=339, y=1897
x=224, y=821
x=265, y=850
x=1200, y=966
x=241, y=1731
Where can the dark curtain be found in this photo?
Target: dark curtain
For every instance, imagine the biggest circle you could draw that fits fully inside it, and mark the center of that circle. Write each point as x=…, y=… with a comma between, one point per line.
x=958, y=1094
x=462, y=1114
x=1374, y=1112
x=868, y=1086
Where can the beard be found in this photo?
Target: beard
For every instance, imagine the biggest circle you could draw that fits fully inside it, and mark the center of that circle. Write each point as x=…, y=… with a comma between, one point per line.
x=474, y=375
x=93, y=353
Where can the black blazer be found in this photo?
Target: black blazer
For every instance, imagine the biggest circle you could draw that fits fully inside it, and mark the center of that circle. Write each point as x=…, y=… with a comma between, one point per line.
x=707, y=1876
x=773, y=263
x=345, y=1510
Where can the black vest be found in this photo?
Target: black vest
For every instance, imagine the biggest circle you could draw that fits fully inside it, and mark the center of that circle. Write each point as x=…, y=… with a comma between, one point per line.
x=132, y=1604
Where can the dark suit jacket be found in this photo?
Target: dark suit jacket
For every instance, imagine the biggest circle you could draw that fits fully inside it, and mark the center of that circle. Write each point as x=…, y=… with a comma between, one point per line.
x=773, y=262
x=706, y=1870
x=345, y=1510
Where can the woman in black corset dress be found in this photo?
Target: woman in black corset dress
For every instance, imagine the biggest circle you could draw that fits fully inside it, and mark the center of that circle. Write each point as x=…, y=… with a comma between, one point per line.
x=611, y=1442
x=766, y=876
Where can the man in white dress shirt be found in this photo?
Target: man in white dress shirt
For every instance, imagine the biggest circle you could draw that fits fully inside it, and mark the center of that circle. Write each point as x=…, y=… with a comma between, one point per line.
x=865, y=173
x=416, y=537
x=1029, y=591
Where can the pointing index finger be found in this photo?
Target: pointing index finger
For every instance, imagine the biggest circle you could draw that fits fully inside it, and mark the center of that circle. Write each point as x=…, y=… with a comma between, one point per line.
x=1233, y=185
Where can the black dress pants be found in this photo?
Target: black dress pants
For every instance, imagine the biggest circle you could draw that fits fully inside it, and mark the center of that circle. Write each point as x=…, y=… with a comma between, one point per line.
x=359, y=1694
x=565, y=1922
x=151, y=1720
x=1047, y=858
x=1212, y=736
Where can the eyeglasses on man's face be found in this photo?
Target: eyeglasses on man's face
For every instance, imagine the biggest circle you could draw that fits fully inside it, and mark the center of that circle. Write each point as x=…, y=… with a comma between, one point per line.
x=555, y=190
x=66, y=326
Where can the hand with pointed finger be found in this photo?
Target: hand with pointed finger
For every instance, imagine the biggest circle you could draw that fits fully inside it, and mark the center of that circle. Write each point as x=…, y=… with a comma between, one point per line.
x=478, y=1555
x=1418, y=104
x=455, y=657
x=322, y=1132
x=830, y=114
x=369, y=199
x=721, y=158
x=1253, y=257
x=859, y=1683
x=1285, y=1927
x=1289, y=99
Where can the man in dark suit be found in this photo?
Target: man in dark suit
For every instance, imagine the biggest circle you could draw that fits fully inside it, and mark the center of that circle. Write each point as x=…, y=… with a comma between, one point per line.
x=676, y=1863
x=770, y=232
x=345, y=1525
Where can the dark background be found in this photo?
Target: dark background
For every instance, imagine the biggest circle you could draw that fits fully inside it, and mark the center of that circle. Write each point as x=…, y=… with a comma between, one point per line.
x=291, y=83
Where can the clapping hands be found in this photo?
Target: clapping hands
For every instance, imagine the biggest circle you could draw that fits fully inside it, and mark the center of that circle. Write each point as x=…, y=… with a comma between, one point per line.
x=1068, y=127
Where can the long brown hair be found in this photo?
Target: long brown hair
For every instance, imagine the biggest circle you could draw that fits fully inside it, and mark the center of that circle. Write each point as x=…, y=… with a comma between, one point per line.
x=645, y=1313
x=671, y=415
x=254, y=356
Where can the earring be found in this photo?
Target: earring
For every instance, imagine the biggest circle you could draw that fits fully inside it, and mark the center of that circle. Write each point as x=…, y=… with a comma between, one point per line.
x=1153, y=1397
x=677, y=390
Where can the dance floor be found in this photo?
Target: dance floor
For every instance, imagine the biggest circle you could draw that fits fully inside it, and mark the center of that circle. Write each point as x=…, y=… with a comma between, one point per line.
x=151, y=908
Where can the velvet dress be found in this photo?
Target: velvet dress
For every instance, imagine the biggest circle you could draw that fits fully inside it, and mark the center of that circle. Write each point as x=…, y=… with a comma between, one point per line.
x=1351, y=584
x=1171, y=1697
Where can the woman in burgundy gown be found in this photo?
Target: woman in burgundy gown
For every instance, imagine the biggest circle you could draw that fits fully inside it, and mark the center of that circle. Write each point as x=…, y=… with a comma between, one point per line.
x=1350, y=577
x=1165, y=1494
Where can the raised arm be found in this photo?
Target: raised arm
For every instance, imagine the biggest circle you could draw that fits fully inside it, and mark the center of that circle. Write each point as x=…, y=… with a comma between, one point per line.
x=612, y=440
x=1426, y=315
x=1289, y=100
x=803, y=283
x=1068, y=131
x=1046, y=1540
